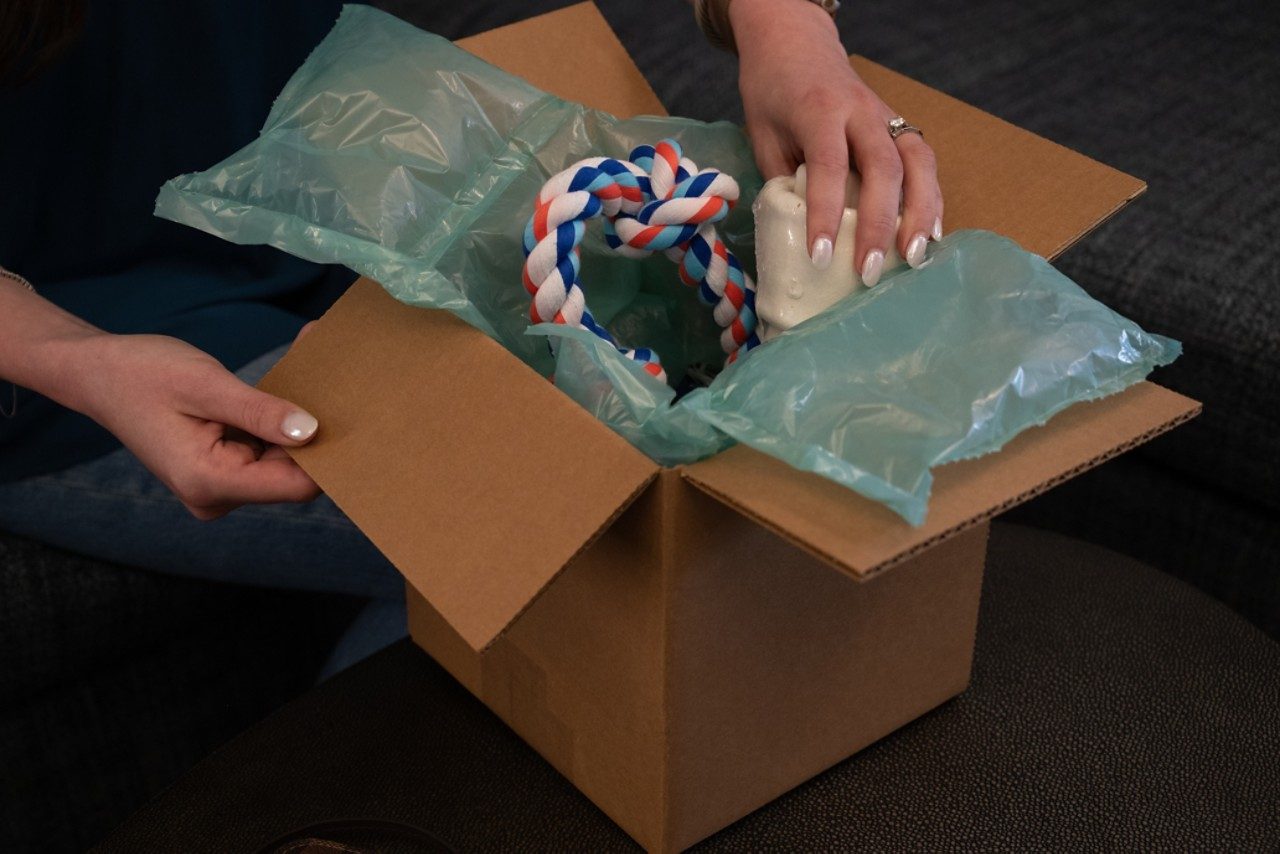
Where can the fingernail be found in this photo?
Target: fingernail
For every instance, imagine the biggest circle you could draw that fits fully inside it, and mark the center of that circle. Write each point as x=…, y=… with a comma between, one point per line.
x=299, y=426
x=915, y=250
x=821, y=256
x=872, y=266
x=937, y=228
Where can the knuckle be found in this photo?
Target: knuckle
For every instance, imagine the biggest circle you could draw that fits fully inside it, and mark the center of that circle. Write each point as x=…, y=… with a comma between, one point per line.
x=256, y=411
x=923, y=157
x=883, y=163
x=826, y=160
x=922, y=206
x=194, y=384
x=818, y=101
x=886, y=163
x=867, y=100
x=880, y=222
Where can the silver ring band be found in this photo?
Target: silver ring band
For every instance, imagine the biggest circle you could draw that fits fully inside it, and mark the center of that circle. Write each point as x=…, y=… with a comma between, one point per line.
x=898, y=126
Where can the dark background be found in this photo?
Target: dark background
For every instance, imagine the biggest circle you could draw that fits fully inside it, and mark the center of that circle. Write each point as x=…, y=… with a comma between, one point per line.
x=114, y=681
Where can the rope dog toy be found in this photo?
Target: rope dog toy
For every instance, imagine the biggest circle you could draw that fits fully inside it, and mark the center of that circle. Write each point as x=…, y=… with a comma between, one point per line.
x=656, y=201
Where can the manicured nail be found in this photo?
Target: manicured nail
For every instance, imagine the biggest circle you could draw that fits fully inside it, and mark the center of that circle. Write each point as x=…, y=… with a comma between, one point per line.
x=872, y=266
x=915, y=250
x=937, y=229
x=821, y=256
x=299, y=426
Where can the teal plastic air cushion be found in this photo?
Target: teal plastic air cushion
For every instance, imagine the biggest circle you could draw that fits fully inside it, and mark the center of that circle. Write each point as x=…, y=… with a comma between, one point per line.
x=411, y=161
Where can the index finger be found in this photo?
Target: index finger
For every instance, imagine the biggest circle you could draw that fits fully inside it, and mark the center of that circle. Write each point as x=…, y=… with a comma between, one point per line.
x=275, y=478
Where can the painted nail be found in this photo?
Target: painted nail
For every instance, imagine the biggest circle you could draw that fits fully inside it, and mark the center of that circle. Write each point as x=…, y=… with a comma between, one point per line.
x=872, y=266
x=937, y=229
x=915, y=250
x=299, y=426
x=821, y=256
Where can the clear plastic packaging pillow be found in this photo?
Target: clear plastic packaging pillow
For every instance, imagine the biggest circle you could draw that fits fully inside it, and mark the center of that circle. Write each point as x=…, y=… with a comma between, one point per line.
x=411, y=161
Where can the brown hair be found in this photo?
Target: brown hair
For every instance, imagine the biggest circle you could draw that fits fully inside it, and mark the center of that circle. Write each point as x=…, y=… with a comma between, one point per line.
x=34, y=33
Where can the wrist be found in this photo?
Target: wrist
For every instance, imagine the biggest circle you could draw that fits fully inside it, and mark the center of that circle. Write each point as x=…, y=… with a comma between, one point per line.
x=72, y=364
x=41, y=345
x=761, y=23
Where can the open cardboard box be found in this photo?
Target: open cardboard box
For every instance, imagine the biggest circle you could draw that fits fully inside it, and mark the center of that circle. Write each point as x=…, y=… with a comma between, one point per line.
x=684, y=644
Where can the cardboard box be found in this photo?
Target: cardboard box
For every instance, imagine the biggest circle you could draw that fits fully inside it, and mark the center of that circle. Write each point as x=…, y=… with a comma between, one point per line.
x=684, y=644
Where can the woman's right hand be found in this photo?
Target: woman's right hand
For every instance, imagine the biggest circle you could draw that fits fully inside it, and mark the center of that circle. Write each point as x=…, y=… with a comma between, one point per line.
x=804, y=103
x=216, y=442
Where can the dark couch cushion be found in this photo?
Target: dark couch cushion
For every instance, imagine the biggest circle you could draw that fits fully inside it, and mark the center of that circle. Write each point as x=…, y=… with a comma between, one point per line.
x=116, y=680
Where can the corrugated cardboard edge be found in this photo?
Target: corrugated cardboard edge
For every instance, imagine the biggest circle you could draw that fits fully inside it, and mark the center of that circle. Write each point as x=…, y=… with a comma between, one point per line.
x=670, y=481
x=1067, y=244
x=857, y=504
x=985, y=524
x=1040, y=489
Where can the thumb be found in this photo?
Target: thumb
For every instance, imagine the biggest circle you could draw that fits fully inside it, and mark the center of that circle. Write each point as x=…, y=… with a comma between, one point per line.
x=826, y=159
x=271, y=419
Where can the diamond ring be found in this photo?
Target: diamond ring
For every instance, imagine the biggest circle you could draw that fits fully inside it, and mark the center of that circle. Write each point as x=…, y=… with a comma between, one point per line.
x=898, y=126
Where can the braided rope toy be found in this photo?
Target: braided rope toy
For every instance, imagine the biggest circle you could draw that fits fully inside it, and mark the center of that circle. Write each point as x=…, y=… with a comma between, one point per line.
x=656, y=201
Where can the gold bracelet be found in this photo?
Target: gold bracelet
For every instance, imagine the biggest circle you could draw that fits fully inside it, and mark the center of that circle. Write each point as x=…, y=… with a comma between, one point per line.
x=713, y=19
x=9, y=274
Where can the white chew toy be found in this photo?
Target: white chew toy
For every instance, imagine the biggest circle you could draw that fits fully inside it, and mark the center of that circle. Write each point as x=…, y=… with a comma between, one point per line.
x=789, y=288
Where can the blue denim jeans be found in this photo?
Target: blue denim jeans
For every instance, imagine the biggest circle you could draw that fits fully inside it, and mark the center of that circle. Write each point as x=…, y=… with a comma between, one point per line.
x=115, y=510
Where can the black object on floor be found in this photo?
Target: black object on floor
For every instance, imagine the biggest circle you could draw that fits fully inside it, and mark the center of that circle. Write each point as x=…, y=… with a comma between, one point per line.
x=1111, y=707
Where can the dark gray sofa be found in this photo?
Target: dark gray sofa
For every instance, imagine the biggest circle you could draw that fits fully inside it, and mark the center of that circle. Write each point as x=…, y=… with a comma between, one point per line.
x=114, y=681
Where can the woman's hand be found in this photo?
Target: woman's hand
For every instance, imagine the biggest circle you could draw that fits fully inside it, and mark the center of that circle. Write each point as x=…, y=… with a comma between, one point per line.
x=216, y=442
x=805, y=104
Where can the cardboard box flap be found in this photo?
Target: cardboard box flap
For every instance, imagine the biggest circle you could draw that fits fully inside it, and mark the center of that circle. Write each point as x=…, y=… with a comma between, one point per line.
x=999, y=177
x=600, y=75
x=474, y=475
x=861, y=537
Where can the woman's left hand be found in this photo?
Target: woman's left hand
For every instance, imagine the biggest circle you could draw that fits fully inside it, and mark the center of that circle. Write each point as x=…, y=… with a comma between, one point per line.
x=805, y=104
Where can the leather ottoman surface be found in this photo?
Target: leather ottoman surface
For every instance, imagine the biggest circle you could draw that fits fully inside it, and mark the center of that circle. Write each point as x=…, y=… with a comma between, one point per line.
x=1111, y=707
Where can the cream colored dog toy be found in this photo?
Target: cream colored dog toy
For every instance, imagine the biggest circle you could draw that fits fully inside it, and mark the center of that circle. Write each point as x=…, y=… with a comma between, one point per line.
x=789, y=288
